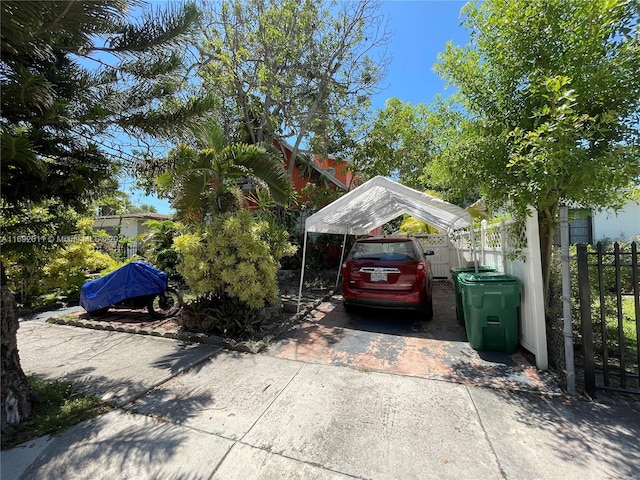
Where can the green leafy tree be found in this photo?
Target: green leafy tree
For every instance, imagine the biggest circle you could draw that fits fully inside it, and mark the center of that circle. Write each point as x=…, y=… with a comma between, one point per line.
x=205, y=179
x=549, y=97
x=396, y=144
x=75, y=74
x=119, y=203
x=286, y=68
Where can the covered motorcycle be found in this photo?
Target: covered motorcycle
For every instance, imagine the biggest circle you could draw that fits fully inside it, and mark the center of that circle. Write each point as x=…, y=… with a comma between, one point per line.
x=136, y=284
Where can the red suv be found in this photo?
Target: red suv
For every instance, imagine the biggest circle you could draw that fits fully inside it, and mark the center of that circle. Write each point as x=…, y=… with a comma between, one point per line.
x=388, y=272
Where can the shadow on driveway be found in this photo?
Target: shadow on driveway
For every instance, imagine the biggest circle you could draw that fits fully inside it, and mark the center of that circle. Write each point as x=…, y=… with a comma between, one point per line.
x=402, y=343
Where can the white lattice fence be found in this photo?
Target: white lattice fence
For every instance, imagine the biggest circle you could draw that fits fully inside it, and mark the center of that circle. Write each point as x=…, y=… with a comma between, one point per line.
x=513, y=248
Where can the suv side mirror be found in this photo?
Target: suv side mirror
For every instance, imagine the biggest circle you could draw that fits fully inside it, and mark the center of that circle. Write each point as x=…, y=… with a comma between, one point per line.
x=429, y=252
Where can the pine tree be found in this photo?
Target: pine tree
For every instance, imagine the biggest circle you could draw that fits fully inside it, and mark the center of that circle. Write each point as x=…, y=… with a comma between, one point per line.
x=78, y=77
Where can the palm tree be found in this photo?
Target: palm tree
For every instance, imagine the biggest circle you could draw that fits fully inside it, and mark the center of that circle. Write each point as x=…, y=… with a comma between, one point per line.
x=159, y=244
x=206, y=180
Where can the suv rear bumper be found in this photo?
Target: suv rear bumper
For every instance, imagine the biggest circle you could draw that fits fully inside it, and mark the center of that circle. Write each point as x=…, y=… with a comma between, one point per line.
x=409, y=300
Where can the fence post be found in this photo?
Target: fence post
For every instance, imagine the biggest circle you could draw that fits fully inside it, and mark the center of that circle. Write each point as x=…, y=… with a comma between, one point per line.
x=503, y=244
x=566, y=301
x=584, y=289
x=533, y=298
x=483, y=241
x=621, y=338
x=603, y=313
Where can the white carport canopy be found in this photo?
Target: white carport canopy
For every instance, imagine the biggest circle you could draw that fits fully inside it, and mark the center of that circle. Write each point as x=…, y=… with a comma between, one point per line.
x=380, y=200
x=376, y=202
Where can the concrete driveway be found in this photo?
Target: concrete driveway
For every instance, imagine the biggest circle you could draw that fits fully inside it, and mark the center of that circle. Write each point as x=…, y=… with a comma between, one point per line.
x=401, y=343
x=197, y=412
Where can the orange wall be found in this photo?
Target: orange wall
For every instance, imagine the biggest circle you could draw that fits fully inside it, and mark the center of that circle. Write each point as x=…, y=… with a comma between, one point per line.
x=300, y=181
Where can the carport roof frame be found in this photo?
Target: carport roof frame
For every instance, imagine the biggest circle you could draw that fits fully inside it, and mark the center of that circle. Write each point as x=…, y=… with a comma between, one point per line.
x=373, y=204
x=380, y=200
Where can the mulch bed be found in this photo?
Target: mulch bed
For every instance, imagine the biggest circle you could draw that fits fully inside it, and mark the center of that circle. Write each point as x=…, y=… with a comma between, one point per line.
x=277, y=321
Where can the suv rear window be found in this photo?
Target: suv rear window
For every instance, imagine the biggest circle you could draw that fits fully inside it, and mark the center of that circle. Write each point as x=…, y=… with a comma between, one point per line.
x=383, y=251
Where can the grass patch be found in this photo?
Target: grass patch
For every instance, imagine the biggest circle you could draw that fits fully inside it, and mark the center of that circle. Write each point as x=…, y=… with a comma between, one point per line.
x=56, y=407
x=628, y=318
x=612, y=340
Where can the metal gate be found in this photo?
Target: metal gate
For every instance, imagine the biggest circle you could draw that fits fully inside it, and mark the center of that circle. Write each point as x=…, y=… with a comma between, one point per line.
x=440, y=245
x=610, y=317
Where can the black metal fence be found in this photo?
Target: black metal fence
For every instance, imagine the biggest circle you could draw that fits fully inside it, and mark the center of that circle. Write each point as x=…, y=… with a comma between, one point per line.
x=121, y=250
x=610, y=317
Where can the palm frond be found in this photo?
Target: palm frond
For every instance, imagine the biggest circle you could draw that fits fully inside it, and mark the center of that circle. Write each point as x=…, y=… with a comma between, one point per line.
x=17, y=152
x=416, y=226
x=479, y=210
x=265, y=168
x=210, y=135
x=190, y=202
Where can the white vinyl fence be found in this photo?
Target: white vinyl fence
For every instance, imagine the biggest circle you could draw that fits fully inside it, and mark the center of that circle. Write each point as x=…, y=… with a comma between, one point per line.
x=513, y=249
x=440, y=245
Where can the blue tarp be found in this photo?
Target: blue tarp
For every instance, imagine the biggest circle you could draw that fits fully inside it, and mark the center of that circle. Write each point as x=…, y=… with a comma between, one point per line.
x=132, y=280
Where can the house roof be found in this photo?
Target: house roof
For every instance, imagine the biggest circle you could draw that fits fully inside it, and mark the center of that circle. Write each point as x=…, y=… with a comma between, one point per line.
x=315, y=166
x=380, y=200
x=145, y=216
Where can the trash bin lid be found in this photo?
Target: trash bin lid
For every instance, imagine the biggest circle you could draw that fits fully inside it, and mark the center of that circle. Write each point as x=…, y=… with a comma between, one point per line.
x=486, y=277
x=481, y=268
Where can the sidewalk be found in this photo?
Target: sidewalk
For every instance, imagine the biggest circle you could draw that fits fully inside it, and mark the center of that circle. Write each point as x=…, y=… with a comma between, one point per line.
x=193, y=411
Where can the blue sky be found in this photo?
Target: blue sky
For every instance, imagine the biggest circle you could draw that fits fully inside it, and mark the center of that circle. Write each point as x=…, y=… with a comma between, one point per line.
x=421, y=29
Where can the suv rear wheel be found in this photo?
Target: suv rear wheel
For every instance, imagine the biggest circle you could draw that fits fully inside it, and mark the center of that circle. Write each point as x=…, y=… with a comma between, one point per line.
x=426, y=310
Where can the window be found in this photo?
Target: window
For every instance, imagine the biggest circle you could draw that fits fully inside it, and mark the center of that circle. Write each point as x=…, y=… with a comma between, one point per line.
x=580, y=228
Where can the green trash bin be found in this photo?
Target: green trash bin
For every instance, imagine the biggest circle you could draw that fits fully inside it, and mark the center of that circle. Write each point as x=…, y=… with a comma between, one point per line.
x=455, y=271
x=491, y=304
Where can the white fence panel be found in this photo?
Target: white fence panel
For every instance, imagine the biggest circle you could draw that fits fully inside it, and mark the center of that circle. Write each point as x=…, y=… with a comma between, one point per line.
x=515, y=250
x=440, y=245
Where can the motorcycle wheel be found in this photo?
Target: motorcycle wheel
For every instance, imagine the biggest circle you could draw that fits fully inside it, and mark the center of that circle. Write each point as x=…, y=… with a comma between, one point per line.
x=165, y=304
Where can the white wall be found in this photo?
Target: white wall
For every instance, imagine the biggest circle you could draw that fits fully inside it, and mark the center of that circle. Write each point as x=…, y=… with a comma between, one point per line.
x=130, y=227
x=621, y=226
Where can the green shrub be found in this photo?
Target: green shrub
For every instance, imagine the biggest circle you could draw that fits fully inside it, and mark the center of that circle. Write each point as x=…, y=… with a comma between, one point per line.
x=53, y=265
x=235, y=256
x=226, y=316
x=68, y=269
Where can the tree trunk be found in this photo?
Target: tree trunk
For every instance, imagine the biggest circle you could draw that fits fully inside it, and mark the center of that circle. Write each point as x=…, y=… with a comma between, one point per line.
x=15, y=404
x=547, y=221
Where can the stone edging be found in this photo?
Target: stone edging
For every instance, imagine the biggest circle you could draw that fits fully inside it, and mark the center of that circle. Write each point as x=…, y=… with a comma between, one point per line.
x=249, y=346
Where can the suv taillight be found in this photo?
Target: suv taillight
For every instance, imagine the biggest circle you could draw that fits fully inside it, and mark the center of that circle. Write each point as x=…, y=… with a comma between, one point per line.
x=421, y=270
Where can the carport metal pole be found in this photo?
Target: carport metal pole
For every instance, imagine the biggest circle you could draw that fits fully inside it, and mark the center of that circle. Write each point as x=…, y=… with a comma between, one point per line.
x=344, y=244
x=304, y=259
